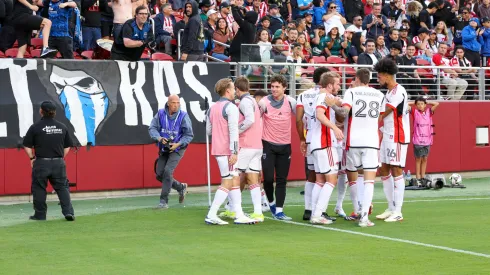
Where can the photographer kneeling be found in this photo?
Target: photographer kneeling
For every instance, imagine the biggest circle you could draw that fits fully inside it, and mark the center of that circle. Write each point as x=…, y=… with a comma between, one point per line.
x=172, y=128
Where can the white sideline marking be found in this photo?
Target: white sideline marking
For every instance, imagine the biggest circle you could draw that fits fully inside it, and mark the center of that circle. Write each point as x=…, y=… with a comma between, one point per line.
x=388, y=238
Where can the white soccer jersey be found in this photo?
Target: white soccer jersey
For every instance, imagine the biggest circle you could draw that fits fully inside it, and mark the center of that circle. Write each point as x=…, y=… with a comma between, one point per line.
x=307, y=101
x=396, y=126
x=321, y=135
x=361, y=126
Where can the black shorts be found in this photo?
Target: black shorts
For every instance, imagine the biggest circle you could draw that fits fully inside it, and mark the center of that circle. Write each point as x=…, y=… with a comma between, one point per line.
x=24, y=24
x=421, y=151
x=106, y=28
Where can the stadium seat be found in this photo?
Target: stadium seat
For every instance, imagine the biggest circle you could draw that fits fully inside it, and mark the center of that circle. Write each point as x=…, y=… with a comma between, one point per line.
x=422, y=62
x=2, y=55
x=37, y=43
x=425, y=73
x=161, y=57
x=36, y=53
x=336, y=60
x=173, y=42
x=16, y=44
x=87, y=54
x=319, y=59
x=12, y=53
x=145, y=56
x=349, y=71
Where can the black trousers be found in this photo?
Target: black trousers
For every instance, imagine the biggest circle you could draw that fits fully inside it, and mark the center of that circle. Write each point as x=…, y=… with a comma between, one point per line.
x=473, y=57
x=166, y=164
x=275, y=161
x=53, y=170
x=63, y=44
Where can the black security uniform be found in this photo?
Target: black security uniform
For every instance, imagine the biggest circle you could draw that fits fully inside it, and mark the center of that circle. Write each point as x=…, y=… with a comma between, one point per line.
x=49, y=137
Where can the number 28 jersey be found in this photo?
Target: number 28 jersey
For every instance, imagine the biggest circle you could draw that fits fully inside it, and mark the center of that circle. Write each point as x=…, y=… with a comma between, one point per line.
x=361, y=126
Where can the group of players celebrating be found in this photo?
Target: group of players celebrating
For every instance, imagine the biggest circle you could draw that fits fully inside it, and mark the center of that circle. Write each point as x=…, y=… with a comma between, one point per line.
x=257, y=134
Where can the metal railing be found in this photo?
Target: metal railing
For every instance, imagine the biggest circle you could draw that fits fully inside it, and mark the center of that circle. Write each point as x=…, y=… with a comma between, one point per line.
x=208, y=57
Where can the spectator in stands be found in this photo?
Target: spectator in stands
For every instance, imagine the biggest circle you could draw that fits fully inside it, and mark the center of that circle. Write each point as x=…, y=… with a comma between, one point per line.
x=6, y=8
x=346, y=43
x=305, y=46
x=395, y=50
x=136, y=35
x=319, y=43
x=164, y=28
x=459, y=62
x=381, y=49
x=412, y=79
x=91, y=12
x=225, y=12
x=309, y=23
x=357, y=47
x=444, y=13
x=180, y=26
x=456, y=86
x=368, y=7
x=265, y=46
x=404, y=39
x=369, y=56
x=333, y=43
x=211, y=23
x=292, y=36
x=278, y=56
x=339, y=7
x=157, y=7
x=441, y=31
x=301, y=27
x=459, y=23
x=284, y=9
x=393, y=36
x=60, y=12
x=485, y=50
x=472, y=41
x=106, y=21
x=318, y=12
x=245, y=35
x=392, y=11
x=221, y=34
x=264, y=24
x=353, y=9
x=420, y=17
x=333, y=19
x=259, y=7
x=204, y=6
x=483, y=9
x=421, y=41
x=123, y=11
x=375, y=23
x=193, y=37
x=304, y=6
x=178, y=5
x=356, y=25
x=296, y=56
x=277, y=22
x=432, y=42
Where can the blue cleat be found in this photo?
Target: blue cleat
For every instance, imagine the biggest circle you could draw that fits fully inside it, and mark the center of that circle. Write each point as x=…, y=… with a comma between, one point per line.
x=281, y=216
x=273, y=209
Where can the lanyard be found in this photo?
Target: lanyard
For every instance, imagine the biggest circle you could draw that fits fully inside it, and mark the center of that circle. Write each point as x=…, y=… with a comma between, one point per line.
x=175, y=121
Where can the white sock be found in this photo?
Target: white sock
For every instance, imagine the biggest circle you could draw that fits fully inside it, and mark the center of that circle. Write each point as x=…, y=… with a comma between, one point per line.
x=341, y=188
x=360, y=191
x=229, y=204
x=323, y=199
x=315, y=193
x=264, y=197
x=236, y=197
x=219, y=198
x=353, y=196
x=308, y=193
x=388, y=188
x=368, y=198
x=279, y=210
x=256, y=199
x=399, y=193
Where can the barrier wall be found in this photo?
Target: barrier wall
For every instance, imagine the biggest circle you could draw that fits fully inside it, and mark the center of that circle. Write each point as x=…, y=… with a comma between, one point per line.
x=131, y=166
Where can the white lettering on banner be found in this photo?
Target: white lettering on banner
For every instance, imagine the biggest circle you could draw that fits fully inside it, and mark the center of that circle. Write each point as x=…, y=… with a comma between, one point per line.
x=127, y=90
x=170, y=80
x=3, y=129
x=20, y=89
x=198, y=87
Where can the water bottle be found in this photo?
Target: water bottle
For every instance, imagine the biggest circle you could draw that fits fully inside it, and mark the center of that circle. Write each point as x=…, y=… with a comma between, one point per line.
x=404, y=175
x=409, y=176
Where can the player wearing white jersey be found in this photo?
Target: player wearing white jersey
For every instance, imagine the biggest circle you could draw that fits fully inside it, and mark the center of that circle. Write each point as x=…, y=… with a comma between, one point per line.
x=304, y=112
x=324, y=135
x=361, y=106
x=396, y=137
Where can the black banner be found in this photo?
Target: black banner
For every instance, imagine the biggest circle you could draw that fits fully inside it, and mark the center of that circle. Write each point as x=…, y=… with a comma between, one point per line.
x=102, y=102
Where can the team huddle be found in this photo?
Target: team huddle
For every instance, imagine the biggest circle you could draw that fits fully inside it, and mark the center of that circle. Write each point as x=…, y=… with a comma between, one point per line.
x=339, y=138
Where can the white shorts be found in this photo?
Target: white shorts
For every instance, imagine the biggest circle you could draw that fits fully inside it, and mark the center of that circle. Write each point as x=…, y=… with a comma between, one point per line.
x=365, y=158
x=249, y=160
x=394, y=154
x=342, y=159
x=326, y=161
x=310, y=159
x=226, y=170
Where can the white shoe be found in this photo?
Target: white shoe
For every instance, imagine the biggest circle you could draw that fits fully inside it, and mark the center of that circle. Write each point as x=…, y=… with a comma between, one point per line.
x=366, y=223
x=385, y=215
x=320, y=220
x=395, y=217
x=340, y=212
x=265, y=208
x=215, y=221
x=244, y=220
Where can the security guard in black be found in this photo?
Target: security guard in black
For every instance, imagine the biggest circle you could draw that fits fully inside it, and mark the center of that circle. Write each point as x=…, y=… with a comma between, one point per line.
x=51, y=142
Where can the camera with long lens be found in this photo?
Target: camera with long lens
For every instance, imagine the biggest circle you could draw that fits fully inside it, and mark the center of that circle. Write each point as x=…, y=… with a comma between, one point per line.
x=166, y=146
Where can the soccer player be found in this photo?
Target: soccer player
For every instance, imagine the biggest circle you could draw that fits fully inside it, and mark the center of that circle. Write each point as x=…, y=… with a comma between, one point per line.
x=304, y=112
x=222, y=124
x=361, y=107
x=277, y=110
x=324, y=136
x=396, y=137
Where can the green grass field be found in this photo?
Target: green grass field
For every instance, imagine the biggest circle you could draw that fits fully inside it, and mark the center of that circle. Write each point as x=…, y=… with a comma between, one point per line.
x=444, y=232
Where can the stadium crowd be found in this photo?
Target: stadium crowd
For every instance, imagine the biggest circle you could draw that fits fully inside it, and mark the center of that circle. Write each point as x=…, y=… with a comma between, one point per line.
x=438, y=32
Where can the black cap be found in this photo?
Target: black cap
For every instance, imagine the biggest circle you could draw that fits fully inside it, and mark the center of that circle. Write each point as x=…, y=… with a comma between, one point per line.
x=48, y=106
x=396, y=45
x=273, y=6
x=205, y=3
x=403, y=28
x=485, y=19
x=423, y=30
x=224, y=5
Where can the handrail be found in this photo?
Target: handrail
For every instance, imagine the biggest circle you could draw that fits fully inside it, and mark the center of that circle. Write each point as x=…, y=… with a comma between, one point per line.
x=213, y=58
x=221, y=43
x=179, y=44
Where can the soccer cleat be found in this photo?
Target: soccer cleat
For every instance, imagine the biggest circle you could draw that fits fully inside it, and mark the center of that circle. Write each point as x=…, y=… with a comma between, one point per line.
x=395, y=217
x=273, y=208
x=162, y=205
x=257, y=217
x=281, y=216
x=227, y=214
x=70, y=217
x=215, y=221
x=265, y=208
x=182, y=193
x=320, y=220
x=353, y=216
x=34, y=218
x=366, y=223
x=326, y=216
x=48, y=52
x=244, y=220
x=384, y=215
x=307, y=215
x=340, y=212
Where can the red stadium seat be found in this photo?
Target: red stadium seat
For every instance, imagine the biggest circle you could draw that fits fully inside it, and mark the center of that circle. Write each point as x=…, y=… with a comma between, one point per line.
x=11, y=53
x=2, y=55
x=145, y=56
x=37, y=43
x=161, y=57
x=422, y=62
x=36, y=53
x=319, y=59
x=349, y=71
x=16, y=44
x=87, y=54
x=425, y=73
x=336, y=60
x=173, y=42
